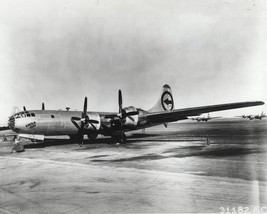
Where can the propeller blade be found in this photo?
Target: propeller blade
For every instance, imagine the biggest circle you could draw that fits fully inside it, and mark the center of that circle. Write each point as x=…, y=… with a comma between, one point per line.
x=24, y=108
x=130, y=117
x=93, y=121
x=84, y=119
x=121, y=132
x=76, y=118
x=73, y=120
x=84, y=107
x=82, y=126
x=80, y=129
x=120, y=101
x=131, y=113
x=120, y=112
x=43, y=106
x=93, y=126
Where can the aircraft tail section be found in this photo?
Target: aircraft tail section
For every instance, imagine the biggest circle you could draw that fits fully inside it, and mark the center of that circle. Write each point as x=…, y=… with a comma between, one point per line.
x=165, y=101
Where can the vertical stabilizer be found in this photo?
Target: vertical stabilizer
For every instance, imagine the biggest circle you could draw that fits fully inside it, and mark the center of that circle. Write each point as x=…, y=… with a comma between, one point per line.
x=165, y=101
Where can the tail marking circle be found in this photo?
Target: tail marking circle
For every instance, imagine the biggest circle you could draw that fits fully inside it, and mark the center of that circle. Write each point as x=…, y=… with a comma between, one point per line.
x=167, y=101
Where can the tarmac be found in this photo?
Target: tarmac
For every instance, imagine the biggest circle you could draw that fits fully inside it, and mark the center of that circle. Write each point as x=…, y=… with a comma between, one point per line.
x=214, y=166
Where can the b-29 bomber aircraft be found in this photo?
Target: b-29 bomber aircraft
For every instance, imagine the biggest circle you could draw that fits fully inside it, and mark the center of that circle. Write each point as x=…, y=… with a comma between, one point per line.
x=252, y=117
x=36, y=124
x=204, y=118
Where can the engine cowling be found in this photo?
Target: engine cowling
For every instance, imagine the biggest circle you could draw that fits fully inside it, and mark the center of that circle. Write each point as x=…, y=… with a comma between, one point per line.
x=93, y=127
x=130, y=121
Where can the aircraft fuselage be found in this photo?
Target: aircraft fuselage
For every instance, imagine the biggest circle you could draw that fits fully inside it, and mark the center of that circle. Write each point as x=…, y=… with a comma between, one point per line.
x=51, y=122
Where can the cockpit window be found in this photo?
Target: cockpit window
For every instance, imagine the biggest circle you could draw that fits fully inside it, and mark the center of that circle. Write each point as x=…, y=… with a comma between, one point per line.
x=23, y=114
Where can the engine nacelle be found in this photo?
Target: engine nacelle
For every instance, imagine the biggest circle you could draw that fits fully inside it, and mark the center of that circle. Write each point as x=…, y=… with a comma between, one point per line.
x=94, y=126
x=130, y=121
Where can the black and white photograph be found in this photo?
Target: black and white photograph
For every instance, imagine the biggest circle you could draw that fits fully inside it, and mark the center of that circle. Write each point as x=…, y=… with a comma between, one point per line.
x=133, y=106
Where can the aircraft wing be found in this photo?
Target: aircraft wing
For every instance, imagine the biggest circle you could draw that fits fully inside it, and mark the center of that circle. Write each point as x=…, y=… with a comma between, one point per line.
x=181, y=114
x=214, y=117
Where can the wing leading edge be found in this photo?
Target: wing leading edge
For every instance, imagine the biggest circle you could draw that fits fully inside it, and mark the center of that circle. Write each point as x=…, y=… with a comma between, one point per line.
x=180, y=114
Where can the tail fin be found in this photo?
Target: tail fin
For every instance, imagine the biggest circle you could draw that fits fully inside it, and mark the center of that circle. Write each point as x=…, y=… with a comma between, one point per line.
x=165, y=101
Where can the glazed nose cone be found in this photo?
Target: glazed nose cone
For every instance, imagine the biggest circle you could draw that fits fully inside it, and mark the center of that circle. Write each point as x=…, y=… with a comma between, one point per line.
x=11, y=123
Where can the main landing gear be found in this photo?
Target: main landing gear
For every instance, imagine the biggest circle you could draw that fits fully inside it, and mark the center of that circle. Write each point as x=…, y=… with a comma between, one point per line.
x=76, y=139
x=119, y=139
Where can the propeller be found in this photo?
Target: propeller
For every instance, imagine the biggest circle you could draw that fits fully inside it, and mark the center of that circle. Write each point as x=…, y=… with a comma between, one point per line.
x=84, y=120
x=122, y=113
x=120, y=101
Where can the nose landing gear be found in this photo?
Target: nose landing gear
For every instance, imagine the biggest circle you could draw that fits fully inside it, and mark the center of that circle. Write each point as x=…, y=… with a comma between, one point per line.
x=17, y=146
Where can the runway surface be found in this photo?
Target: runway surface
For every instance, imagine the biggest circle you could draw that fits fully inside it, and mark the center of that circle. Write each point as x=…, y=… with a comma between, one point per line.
x=161, y=170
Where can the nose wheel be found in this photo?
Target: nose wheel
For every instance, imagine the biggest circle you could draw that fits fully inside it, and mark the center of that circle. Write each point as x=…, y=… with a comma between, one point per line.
x=17, y=146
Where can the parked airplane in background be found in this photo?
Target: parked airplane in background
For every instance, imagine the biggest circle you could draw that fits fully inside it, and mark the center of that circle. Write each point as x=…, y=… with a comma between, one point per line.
x=204, y=118
x=7, y=135
x=36, y=124
x=5, y=132
x=260, y=116
x=252, y=117
x=2, y=128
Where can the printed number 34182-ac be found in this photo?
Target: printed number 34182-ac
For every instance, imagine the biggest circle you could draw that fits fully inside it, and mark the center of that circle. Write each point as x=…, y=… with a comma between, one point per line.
x=241, y=209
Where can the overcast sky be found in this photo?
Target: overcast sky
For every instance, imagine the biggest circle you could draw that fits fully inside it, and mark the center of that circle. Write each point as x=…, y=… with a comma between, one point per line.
x=57, y=52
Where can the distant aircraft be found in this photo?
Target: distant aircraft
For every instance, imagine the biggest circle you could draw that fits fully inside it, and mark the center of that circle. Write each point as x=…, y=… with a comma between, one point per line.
x=260, y=116
x=36, y=124
x=243, y=116
x=2, y=128
x=204, y=118
x=252, y=117
x=7, y=134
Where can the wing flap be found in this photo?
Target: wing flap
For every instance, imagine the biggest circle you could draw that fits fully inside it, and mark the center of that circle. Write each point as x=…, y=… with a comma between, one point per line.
x=180, y=114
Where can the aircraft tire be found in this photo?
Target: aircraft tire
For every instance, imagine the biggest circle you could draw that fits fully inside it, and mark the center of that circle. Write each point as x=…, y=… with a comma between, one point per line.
x=74, y=138
x=118, y=139
x=123, y=140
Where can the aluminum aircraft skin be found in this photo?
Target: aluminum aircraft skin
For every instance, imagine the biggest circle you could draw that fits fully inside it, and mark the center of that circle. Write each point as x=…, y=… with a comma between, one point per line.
x=36, y=124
